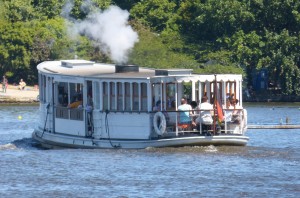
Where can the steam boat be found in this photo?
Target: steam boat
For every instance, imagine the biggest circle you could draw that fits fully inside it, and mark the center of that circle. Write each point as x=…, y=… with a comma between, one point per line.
x=127, y=106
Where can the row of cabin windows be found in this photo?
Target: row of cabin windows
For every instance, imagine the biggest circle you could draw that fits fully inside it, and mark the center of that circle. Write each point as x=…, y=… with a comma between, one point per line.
x=116, y=96
x=119, y=96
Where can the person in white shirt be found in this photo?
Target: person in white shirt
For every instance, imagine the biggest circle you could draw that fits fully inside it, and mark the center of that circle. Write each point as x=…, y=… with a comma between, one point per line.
x=205, y=108
x=206, y=111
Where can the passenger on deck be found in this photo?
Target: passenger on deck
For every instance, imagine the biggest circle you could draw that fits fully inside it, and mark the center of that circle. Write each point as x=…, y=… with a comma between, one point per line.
x=206, y=112
x=228, y=110
x=234, y=103
x=77, y=103
x=235, y=118
x=228, y=104
x=157, y=106
x=185, y=115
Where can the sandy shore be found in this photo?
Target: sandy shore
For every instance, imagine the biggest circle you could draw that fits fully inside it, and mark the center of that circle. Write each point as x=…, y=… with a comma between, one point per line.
x=14, y=95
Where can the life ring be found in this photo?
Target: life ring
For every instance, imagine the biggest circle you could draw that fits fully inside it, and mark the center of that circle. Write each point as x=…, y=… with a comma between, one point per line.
x=159, y=123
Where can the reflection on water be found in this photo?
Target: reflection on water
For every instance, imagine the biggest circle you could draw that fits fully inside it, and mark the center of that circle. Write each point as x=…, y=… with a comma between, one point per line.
x=267, y=167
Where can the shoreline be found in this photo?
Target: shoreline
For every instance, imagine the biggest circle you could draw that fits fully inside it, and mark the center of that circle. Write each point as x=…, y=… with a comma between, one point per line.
x=30, y=95
x=14, y=95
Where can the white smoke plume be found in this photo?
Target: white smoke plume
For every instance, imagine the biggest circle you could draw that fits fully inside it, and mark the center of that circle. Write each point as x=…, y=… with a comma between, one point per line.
x=109, y=29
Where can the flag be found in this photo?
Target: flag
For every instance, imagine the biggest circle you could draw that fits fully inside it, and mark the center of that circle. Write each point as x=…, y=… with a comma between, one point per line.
x=218, y=103
x=219, y=109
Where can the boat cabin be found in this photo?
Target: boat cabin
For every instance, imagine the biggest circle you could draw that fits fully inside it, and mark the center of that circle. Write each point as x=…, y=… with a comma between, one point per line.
x=106, y=101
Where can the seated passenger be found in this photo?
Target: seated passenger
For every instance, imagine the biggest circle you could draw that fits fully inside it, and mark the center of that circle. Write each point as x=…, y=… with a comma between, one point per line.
x=185, y=115
x=206, y=111
x=228, y=110
x=236, y=117
x=228, y=104
x=77, y=103
x=157, y=106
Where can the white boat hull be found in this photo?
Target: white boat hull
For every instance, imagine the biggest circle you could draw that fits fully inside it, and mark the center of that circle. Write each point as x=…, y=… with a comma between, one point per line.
x=54, y=140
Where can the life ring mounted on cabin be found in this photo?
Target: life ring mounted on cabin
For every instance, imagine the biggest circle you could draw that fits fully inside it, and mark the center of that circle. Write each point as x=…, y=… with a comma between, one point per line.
x=159, y=123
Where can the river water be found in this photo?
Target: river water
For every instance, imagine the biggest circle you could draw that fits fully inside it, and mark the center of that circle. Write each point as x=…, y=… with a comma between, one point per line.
x=269, y=166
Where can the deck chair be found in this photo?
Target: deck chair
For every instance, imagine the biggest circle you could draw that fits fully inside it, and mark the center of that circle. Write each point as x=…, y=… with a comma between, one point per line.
x=182, y=122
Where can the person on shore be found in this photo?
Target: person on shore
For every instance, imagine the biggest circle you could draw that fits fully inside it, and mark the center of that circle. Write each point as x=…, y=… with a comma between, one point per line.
x=4, y=84
x=22, y=84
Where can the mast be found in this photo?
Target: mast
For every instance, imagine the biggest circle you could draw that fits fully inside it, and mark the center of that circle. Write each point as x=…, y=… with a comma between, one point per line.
x=215, y=104
x=218, y=110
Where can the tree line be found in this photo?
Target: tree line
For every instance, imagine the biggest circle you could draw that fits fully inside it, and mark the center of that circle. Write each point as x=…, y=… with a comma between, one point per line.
x=209, y=36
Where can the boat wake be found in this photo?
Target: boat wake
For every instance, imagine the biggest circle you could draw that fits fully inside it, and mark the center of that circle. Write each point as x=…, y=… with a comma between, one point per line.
x=8, y=146
x=23, y=144
x=211, y=149
x=192, y=149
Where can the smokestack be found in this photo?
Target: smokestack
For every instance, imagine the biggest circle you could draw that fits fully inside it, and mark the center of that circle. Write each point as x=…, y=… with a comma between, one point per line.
x=126, y=68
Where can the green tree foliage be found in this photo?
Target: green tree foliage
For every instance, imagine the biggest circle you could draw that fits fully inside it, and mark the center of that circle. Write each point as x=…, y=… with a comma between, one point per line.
x=151, y=52
x=212, y=19
x=210, y=36
x=17, y=10
x=282, y=59
x=47, y=9
x=154, y=13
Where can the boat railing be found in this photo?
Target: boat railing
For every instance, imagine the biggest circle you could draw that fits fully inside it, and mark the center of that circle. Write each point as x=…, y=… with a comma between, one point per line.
x=234, y=121
x=189, y=122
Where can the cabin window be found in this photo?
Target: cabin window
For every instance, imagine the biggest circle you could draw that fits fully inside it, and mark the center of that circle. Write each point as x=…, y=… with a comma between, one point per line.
x=144, y=105
x=67, y=93
x=62, y=99
x=205, y=91
x=135, y=98
x=157, y=93
x=187, y=90
x=75, y=92
x=113, y=96
x=127, y=97
x=230, y=89
x=43, y=88
x=170, y=96
x=216, y=90
x=97, y=96
x=120, y=96
x=105, y=95
x=89, y=101
x=41, y=91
